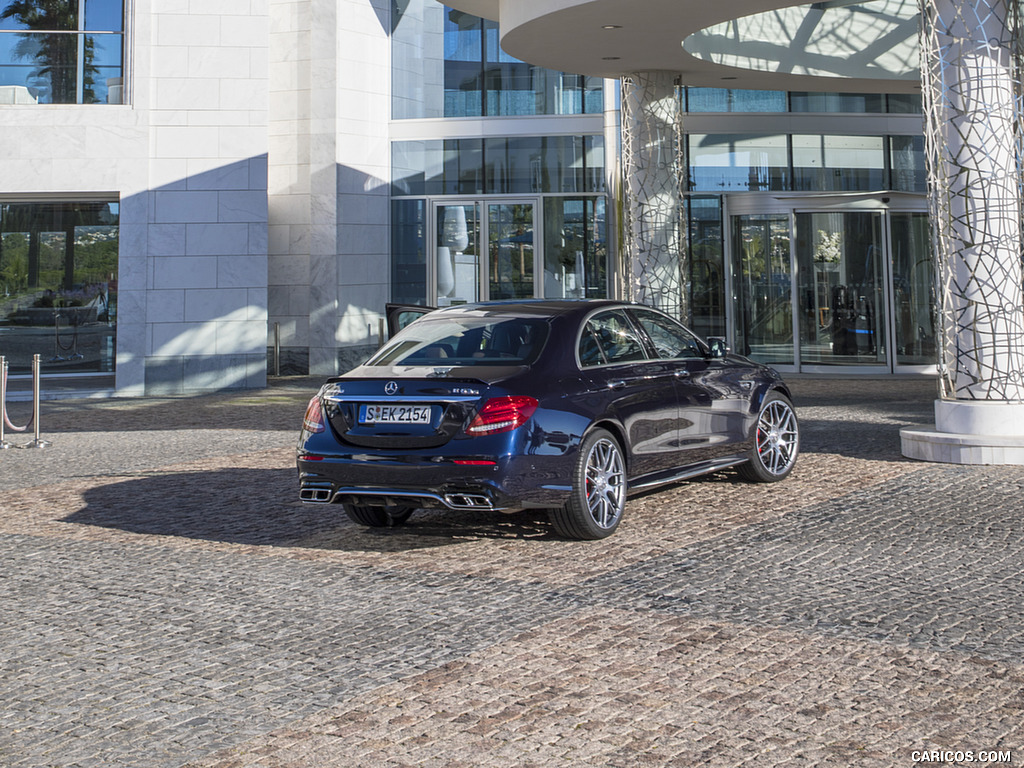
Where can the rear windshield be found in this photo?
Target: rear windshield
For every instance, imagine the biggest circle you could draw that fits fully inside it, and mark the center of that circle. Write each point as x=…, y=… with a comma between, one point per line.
x=465, y=341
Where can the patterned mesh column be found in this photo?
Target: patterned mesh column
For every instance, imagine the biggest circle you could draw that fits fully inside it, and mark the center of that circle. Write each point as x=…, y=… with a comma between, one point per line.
x=971, y=82
x=653, y=172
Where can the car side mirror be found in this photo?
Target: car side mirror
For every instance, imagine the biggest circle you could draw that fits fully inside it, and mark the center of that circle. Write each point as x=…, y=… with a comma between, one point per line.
x=717, y=347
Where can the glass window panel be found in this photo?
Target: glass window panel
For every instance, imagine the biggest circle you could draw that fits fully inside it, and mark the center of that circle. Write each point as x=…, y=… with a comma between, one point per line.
x=463, y=59
x=575, y=248
x=733, y=100
x=458, y=254
x=417, y=60
x=462, y=171
x=514, y=165
x=914, y=297
x=838, y=163
x=409, y=161
x=908, y=166
x=594, y=164
x=58, y=284
x=732, y=162
x=707, y=266
x=510, y=250
x=905, y=103
x=51, y=16
x=762, y=289
x=615, y=336
x=859, y=103
x=104, y=16
x=408, y=252
x=46, y=66
x=448, y=63
x=671, y=340
x=841, y=277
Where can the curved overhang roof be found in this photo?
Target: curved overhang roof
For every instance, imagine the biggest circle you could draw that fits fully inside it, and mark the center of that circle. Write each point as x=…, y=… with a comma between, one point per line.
x=838, y=45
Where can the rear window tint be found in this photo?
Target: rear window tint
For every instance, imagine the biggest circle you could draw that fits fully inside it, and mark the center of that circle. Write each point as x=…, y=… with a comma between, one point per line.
x=465, y=341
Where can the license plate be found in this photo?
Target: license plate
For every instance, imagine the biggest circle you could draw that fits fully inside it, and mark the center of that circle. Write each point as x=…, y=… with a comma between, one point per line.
x=394, y=414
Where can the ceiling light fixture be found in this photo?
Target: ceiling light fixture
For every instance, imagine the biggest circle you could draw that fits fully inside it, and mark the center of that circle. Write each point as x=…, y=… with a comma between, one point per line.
x=612, y=26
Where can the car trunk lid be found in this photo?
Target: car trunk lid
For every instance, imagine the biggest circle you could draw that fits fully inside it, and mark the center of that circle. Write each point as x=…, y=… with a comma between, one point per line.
x=401, y=412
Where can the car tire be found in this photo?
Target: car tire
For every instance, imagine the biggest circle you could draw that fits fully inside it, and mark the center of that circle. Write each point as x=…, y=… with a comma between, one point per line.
x=378, y=517
x=776, y=441
x=598, y=498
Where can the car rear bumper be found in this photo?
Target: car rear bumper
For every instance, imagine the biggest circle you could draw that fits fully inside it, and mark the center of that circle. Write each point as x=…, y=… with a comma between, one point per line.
x=509, y=484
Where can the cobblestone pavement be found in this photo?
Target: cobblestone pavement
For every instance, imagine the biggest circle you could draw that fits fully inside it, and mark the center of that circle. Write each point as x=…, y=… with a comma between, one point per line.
x=167, y=602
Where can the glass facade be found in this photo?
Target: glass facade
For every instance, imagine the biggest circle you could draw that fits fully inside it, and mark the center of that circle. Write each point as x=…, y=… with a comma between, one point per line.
x=805, y=163
x=515, y=165
x=58, y=285
x=61, y=52
x=737, y=100
x=446, y=63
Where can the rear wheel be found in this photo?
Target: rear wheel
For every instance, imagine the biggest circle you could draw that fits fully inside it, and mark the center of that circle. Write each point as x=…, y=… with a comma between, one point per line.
x=776, y=443
x=378, y=517
x=598, y=498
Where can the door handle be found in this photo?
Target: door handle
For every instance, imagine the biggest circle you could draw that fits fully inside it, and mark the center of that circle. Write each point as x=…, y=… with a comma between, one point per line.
x=617, y=384
x=684, y=374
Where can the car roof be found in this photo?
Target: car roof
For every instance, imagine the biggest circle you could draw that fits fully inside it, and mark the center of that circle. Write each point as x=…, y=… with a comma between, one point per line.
x=528, y=307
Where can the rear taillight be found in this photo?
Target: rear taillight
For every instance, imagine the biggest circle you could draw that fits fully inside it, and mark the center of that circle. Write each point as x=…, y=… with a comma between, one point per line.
x=500, y=414
x=314, y=419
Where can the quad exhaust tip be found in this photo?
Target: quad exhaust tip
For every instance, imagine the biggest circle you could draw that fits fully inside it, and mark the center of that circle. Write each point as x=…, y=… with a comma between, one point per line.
x=315, y=495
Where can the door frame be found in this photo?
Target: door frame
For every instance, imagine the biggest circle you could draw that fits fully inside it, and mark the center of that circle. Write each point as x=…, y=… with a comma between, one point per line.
x=483, y=247
x=884, y=203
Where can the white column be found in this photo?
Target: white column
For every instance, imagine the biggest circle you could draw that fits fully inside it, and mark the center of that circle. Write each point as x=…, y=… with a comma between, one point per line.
x=971, y=86
x=653, y=172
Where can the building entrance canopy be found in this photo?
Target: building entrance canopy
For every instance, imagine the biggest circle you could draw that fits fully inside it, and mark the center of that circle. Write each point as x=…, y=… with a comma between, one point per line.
x=847, y=45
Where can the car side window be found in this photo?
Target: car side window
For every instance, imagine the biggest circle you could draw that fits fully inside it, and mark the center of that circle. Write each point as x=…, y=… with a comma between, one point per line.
x=615, y=338
x=671, y=340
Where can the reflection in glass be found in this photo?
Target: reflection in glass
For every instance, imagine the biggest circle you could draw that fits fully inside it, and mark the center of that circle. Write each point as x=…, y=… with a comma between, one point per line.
x=857, y=103
x=731, y=162
x=734, y=100
x=58, y=285
x=529, y=164
x=458, y=254
x=511, y=250
x=45, y=60
x=575, y=248
x=408, y=252
x=841, y=269
x=762, y=289
x=707, y=268
x=838, y=163
x=913, y=294
x=446, y=63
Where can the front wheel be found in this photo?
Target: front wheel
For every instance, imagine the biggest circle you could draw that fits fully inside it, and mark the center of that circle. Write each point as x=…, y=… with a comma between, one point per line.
x=378, y=517
x=776, y=443
x=598, y=497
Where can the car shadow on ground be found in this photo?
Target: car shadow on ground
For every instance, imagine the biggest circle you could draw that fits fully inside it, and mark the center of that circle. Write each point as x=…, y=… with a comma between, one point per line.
x=256, y=507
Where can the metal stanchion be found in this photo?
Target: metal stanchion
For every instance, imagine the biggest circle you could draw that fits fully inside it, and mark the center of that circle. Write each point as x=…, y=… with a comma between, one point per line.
x=3, y=403
x=37, y=442
x=277, y=349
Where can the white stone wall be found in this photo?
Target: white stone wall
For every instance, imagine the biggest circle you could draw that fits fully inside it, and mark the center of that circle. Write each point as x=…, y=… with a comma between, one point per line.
x=329, y=164
x=186, y=155
x=206, y=95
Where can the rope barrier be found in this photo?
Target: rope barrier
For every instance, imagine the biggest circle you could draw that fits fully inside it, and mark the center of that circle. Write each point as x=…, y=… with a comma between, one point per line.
x=5, y=420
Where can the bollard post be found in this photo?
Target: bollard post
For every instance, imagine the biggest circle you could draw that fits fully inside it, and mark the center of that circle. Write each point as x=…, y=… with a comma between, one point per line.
x=4, y=445
x=37, y=442
x=277, y=349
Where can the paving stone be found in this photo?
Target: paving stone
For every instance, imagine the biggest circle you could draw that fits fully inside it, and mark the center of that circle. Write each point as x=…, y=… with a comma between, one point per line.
x=167, y=602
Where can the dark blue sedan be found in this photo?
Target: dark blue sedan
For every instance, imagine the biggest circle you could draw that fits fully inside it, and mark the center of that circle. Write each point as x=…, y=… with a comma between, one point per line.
x=560, y=405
